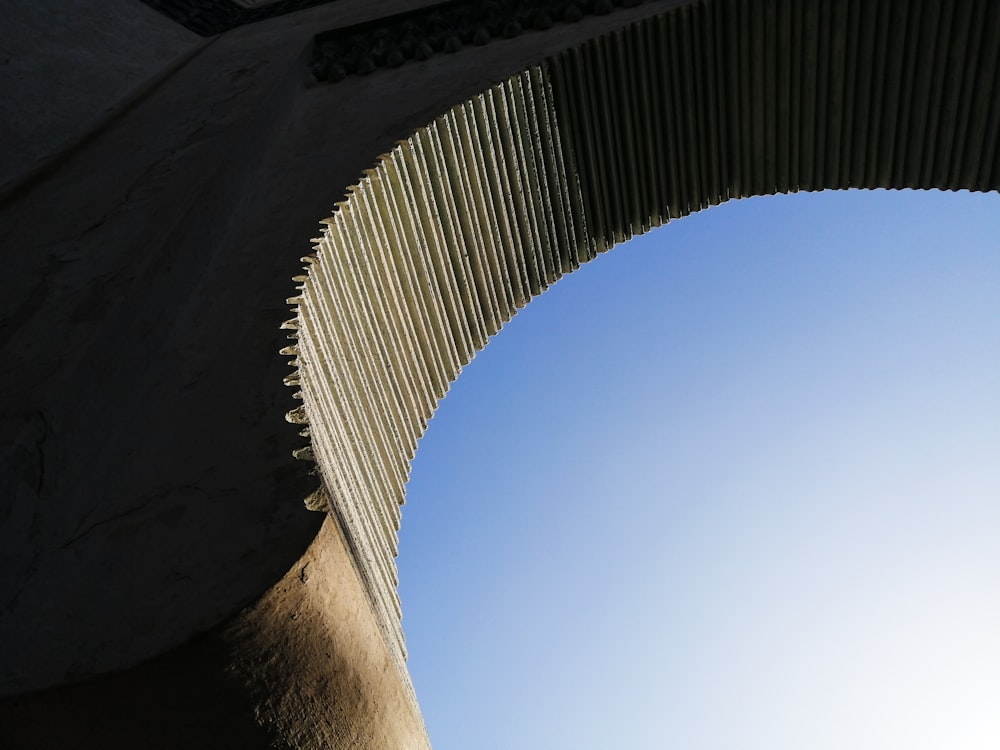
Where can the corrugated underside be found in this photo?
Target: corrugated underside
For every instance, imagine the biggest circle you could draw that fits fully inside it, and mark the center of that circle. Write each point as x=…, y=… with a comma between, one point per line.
x=464, y=222
x=438, y=246
x=732, y=98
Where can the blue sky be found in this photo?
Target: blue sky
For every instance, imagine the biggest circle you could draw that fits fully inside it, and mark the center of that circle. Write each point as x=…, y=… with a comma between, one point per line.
x=732, y=485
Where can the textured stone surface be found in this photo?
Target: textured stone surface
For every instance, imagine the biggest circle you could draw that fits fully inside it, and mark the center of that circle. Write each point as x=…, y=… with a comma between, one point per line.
x=305, y=667
x=312, y=652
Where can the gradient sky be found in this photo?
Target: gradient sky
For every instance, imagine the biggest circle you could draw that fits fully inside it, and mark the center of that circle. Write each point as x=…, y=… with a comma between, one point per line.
x=733, y=485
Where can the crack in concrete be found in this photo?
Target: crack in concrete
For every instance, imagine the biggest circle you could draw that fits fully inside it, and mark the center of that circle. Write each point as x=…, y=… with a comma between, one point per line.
x=124, y=514
x=23, y=585
x=129, y=512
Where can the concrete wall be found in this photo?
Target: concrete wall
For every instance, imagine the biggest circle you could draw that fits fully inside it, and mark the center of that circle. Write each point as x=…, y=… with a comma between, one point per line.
x=69, y=66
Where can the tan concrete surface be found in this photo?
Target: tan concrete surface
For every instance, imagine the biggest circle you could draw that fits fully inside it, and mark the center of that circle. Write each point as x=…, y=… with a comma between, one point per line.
x=305, y=667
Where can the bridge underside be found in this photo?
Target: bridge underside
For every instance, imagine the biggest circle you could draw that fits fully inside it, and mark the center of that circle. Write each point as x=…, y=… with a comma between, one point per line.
x=153, y=493
x=461, y=224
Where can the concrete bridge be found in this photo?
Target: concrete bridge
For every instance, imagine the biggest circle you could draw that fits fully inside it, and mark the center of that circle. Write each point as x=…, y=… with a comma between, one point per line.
x=164, y=172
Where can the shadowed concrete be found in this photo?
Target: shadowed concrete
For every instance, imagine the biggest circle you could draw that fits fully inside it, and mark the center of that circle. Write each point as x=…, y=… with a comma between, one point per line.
x=154, y=493
x=303, y=667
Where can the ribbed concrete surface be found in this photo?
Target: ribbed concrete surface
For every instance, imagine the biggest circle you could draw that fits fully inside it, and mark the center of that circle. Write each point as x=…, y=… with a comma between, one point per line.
x=439, y=246
x=729, y=99
x=460, y=225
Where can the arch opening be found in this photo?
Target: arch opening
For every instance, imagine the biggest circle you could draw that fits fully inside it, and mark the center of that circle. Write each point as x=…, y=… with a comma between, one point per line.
x=746, y=475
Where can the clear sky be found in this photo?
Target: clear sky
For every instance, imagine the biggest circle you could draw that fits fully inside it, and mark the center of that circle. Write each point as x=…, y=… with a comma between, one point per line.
x=734, y=485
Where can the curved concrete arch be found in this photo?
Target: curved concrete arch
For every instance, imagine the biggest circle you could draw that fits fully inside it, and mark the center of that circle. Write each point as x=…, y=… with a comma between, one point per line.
x=464, y=222
x=445, y=237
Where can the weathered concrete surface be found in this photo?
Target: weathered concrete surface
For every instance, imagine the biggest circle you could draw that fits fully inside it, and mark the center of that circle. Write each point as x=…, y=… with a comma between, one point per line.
x=67, y=66
x=305, y=667
x=320, y=671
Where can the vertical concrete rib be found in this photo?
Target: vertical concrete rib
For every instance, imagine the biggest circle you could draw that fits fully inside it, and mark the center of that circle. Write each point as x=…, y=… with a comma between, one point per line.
x=429, y=255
